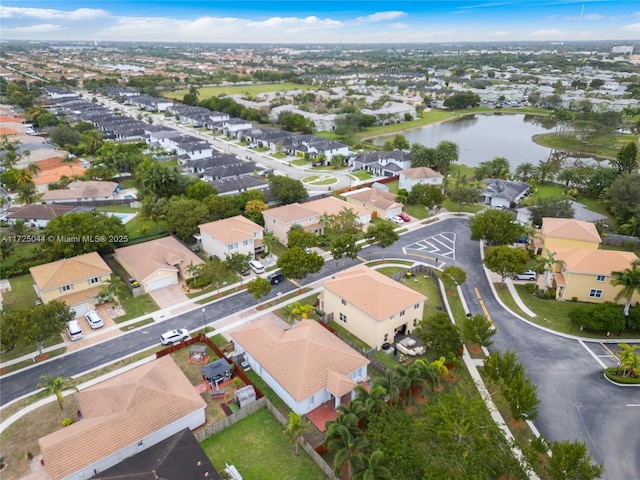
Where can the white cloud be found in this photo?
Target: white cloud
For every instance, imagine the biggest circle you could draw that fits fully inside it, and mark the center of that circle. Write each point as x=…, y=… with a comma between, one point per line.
x=378, y=17
x=633, y=27
x=547, y=34
x=399, y=25
x=50, y=14
x=42, y=28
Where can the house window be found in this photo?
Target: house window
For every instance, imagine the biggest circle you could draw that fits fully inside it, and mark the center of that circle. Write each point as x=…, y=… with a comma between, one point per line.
x=246, y=242
x=65, y=288
x=595, y=293
x=386, y=337
x=601, y=278
x=392, y=317
x=416, y=306
x=343, y=318
x=344, y=302
x=140, y=443
x=402, y=313
x=94, y=280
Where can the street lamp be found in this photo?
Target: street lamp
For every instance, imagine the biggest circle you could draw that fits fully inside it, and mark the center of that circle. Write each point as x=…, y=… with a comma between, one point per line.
x=204, y=320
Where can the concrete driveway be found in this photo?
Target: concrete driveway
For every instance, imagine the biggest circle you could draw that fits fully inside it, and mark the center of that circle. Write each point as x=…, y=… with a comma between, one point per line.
x=171, y=296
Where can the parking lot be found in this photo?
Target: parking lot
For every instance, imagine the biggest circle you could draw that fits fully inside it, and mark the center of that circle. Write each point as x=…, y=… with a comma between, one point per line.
x=441, y=246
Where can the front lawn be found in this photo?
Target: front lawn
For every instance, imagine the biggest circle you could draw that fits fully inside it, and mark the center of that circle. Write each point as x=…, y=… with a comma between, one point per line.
x=259, y=450
x=136, y=306
x=22, y=294
x=455, y=208
x=362, y=175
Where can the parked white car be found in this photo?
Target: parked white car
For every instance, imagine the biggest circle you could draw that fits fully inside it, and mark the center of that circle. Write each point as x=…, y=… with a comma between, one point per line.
x=397, y=219
x=94, y=319
x=174, y=336
x=529, y=275
x=74, y=330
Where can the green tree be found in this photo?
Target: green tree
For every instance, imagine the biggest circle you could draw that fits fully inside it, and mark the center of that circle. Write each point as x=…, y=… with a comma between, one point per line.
x=112, y=289
x=296, y=264
x=44, y=321
x=213, y=272
x=345, y=221
x=462, y=100
x=477, y=329
x=161, y=181
x=269, y=239
x=372, y=467
x=221, y=206
x=623, y=197
x=155, y=210
x=495, y=227
x=393, y=382
x=545, y=171
x=629, y=280
x=437, y=331
x=294, y=428
x=506, y=261
x=554, y=207
x=10, y=328
x=184, y=215
x=199, y=190
x=345, y=246
x=524, y=171
x=455, y=274
x=570, y=461
x=382, y=234
x=259, y=287
x=99, y=229
x=302, y=310
x=238, y=263
x=465, y=195
x=55, y=386
x=253, y=211
x=629, y=359
x=287, y=190
x=498, y=167
x=422, y=156
x=446, y=153
x=299, y=237
x=429, y=196
x=346, y=444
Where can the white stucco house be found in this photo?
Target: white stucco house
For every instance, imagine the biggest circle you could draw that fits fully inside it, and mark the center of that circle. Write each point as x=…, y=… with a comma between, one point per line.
x=419, y=176
x=231, y=235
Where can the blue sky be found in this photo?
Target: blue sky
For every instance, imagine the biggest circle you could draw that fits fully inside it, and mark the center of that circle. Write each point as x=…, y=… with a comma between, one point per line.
x=301, y=21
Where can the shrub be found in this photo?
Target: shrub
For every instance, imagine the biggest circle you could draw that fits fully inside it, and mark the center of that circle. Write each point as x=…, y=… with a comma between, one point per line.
x=605, y=317
x=629, y=246
x=66, y=422
x=574, y=299
x=611, y=375
x=550, y=294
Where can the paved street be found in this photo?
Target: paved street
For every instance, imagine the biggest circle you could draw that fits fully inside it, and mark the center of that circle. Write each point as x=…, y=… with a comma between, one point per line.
x=577, y=403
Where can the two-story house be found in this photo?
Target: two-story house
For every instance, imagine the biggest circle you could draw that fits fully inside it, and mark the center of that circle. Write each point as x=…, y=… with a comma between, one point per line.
x=420, y=176
x=76, y=281
x=372, y=306
x=231, y=235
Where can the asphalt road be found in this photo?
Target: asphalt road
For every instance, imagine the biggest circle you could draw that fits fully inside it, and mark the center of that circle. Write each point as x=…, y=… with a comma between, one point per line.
x=576, y=402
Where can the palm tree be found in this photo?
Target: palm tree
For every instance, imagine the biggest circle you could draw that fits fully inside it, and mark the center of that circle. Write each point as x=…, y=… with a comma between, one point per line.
x=524, y=171
x=447, y=152
x=392, y=382
x=629, y=360
x=440, y=369
x=33, y=169
x=54, y=386
x=112, y=288
x=372, y=467
x=370, y=402
x=429, y=373
x=294, y=428
x=193, y=271
x=545, y=171
x=69, y=160
x=346, y=444
x=193, y=90
x=288, y=311
x=629, y=280
x=269, y=239
x=22, y=176
x=302, y=310
x=27, y=193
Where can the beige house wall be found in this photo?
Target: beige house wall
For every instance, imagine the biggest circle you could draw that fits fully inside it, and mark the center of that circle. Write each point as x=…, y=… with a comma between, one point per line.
x=54, y=293
x=157, y=275
x=579, y=285
x=366, y=328
x=550, y=243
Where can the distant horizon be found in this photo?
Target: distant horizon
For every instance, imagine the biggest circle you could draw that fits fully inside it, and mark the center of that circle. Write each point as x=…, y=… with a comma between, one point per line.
x=333, y=22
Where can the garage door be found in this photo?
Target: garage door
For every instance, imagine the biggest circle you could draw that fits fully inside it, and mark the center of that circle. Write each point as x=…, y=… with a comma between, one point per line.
x=80, y=309
x=161, y=282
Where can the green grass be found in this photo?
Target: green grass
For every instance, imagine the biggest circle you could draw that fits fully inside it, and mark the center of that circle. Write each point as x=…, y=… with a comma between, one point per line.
x=362, y=175
x=463, y=170
x=382, y=262
x=427, y=287
x=207, y=92
x=416, y=211
x=22, y=294
x=388, y=271
x=326, y=181
x=605, y=147
x=344, y=333
x=258, y=449
x=393, y=186
x=300, y=162
x=454, y=207
x=228, y=278
x=136, y=306
x=311, y=178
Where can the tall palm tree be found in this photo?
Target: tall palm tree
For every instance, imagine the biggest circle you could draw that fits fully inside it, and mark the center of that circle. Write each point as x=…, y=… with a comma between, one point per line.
x=193, y=90
x=288, y=311
x=392, y=382
x=22, y=176
x=629, y=280
x=55, y=386
x=370, y=402
x=372, y=467
x=69, y=160
x=447, y=152
x=112, y=288
x=193, y=270
x=269, y=239
x=524, y=171
x=33, y=169
x=27, y=193
x=545, y=171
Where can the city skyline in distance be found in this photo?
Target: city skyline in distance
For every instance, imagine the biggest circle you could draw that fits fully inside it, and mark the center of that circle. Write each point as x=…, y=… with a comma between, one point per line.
x=290, y=22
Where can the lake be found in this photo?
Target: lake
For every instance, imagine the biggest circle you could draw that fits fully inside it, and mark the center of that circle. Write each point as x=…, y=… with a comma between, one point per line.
x=483, y=137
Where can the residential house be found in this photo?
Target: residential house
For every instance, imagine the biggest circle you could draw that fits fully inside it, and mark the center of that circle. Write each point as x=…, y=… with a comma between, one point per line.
x=231, y=235
x=233, y=185
x=158, y=263
x=381, y=202
x=306, y=365
x=308, y=215
x=391, y=112
x=566, y=233
x=370, y=305
x=177, y=457
x=89, y=191
x=420, y=176
x=585, y=274
x=38, y=215
x=382, y=164
x=121, y=417
x=76, y=281
x=503, y=193
x=233, y=126
x=523, y=214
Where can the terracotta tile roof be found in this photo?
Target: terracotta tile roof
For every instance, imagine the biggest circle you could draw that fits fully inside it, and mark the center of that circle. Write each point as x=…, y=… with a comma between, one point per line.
x=55, y=174
x=167, y=253
x=79, y=190
x=596, y=262
x=304, y=359
x=118, y=412
x=290, y=213
x=5, y=119
x=231, y=230
x=68, y=271
x=570, y=229
x=375, y=197
x=421, y=172
x=333, y=206
x=559, y=279
x=374, y=293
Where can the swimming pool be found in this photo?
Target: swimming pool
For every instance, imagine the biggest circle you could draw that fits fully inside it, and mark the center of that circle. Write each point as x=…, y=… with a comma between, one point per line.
x=124, y=217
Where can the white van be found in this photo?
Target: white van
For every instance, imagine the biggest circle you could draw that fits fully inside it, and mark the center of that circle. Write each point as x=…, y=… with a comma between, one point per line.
x=256, y=266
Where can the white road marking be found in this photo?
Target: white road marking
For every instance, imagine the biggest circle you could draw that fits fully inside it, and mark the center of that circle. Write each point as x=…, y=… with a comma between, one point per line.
x=592, y=354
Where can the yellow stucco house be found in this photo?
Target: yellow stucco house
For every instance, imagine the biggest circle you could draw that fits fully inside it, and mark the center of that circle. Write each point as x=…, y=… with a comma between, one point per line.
x=76, y=281
x=581, y=271
x=371, y=305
